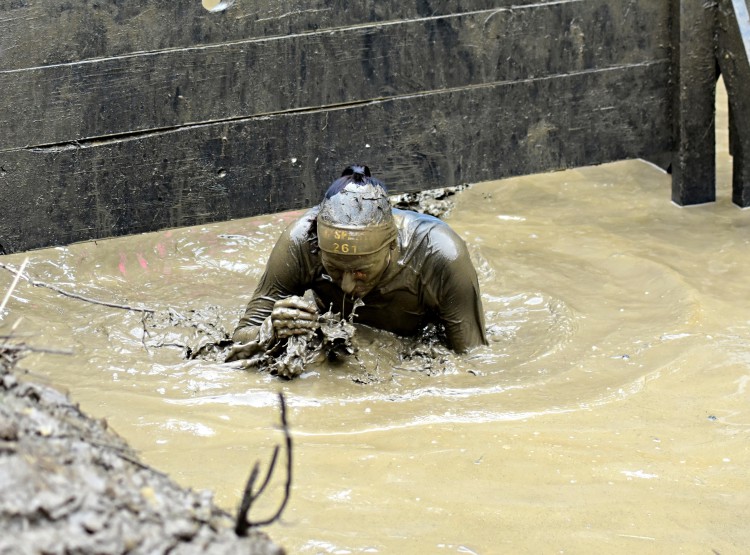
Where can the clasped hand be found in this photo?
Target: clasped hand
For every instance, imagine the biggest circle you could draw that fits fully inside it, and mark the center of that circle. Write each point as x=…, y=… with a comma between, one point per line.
x=294, y=316
x=291, y=316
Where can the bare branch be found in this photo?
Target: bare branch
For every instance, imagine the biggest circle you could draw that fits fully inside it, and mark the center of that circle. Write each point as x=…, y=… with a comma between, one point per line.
x=249, y=497
x=242, y=525
x=271, y=467
x=35, y=283
x=13, y=286
x=23, y=347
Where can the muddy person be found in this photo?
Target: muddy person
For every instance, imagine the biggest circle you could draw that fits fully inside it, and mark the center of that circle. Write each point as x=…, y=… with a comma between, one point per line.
x=410, y=270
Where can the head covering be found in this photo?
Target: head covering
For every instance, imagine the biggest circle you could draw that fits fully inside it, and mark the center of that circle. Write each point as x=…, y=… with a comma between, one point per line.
x=353, y=174
x=355, y=217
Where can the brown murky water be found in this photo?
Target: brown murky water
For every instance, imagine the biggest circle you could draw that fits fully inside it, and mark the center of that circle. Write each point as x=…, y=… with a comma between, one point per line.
x=609, y=414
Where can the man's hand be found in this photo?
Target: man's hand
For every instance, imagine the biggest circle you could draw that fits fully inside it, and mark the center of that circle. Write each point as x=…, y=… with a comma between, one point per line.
x=294, y=316
x=243, y=351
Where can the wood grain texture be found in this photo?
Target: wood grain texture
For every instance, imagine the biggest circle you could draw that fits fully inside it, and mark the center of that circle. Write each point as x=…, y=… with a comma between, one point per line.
x=733, y=53
x=270, y=163
x=694, y=162
x=122, y=117
x=83, y=101
x=48, y=32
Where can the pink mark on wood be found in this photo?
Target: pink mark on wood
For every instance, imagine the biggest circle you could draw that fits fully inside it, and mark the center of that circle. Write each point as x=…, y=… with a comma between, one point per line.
x=121, y=265
x=142, y=261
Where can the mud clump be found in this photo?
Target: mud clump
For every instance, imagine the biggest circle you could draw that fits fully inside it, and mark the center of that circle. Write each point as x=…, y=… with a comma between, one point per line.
x=334, y=341
x=201, y=335
x=331, y=340
x=435, y=202
x=70, y=485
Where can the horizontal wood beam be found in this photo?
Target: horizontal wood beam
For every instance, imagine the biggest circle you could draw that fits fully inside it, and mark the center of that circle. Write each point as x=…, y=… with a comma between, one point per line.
x=138, y=93
x=260, y=165
x=49, y=32
x=124, y=117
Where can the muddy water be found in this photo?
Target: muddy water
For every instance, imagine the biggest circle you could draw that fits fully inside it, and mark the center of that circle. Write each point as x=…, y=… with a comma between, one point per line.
x=609, y=413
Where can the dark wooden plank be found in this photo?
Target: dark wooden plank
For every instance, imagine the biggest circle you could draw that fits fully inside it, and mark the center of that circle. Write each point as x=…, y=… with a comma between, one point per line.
x=47, y=32
x=265, y=164
x=733, y=51
x=76, y=102
x=694, y=162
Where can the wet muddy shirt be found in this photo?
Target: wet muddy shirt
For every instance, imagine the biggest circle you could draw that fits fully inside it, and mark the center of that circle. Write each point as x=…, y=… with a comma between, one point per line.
x=430, y=280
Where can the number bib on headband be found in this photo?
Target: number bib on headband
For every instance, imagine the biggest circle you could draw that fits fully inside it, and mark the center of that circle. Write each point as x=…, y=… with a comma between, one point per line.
x=354, y=240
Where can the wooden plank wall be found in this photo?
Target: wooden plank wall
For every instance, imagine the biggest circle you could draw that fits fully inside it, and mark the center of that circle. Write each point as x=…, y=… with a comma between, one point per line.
x=121, y=117
x=733, y=55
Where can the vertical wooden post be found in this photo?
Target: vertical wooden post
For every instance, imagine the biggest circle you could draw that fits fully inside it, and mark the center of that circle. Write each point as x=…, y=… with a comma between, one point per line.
x=733, y=53
x=694, y=162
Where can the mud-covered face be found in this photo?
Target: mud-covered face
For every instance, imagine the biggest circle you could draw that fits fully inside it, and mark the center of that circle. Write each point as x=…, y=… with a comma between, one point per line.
x=356, y=275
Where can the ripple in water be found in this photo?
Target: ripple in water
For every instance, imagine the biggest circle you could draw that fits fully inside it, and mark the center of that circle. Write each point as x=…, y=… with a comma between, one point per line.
x=548, y=351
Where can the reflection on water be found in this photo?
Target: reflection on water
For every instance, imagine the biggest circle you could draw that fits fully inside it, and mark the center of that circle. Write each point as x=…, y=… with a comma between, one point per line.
x=612, y=316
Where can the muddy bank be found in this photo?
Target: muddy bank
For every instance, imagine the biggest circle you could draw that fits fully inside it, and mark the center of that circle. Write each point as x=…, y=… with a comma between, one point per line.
x=68, y=484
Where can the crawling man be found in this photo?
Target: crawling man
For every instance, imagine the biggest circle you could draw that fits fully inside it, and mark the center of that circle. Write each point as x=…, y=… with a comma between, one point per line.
x=410, y=270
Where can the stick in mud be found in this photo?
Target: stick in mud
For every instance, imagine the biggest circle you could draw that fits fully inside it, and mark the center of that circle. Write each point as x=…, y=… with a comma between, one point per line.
x=249, y=497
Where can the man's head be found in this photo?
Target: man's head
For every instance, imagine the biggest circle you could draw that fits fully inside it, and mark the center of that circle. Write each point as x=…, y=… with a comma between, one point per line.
x=356, y=231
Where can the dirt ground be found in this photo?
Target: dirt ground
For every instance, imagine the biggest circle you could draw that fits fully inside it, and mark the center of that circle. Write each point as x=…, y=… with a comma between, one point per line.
x=68, y=484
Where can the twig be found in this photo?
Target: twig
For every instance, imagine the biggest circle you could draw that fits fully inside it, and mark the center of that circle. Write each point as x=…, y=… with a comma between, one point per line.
x=13, y=285
x=35, y=283
x=242, y=524
x=271, y=466
x=249, y=497
x=30, y=349
x=146, y=334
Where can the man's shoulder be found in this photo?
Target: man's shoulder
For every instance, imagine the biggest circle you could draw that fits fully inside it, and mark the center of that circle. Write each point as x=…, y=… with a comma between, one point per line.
x=302, y=229
x=428, y=234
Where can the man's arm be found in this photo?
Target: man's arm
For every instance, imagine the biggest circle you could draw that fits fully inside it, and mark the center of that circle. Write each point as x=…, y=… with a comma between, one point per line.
x=285, y=277
x=244, y=333
x=456, y=287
